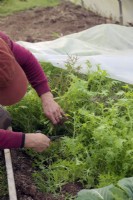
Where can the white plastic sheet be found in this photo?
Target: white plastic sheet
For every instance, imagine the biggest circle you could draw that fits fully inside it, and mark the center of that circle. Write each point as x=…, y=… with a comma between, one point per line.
x=109, y=45
x=109, y=8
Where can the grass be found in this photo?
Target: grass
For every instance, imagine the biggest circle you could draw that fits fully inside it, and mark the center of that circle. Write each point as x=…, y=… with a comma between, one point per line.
x=10, y=6
x=3, y=180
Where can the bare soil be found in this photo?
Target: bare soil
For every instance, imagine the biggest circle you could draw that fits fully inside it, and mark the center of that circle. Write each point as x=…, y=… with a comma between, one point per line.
x=26, y=188
x=42, y=24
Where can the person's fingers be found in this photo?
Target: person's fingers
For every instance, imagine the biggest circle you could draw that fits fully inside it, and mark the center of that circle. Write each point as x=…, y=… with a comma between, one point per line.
x=39, y=150
x=53, y=118
x=62, y=112
x=57, y=116
x=60, y=116
x=37, y=141
x=63, y=116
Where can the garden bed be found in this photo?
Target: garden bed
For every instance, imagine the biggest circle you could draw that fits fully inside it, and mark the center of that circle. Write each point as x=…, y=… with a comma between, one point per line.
x=41, y=24
x=26, y=188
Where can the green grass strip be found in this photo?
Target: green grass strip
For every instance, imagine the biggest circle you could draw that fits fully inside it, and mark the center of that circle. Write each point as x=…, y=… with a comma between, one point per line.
x=3, y=180
x=10, y=6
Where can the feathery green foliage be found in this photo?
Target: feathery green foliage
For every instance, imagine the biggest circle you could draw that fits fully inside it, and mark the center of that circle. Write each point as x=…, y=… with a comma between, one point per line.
x=98, y=147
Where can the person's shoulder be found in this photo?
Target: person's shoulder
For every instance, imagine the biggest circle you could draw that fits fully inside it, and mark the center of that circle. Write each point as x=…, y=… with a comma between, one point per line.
x=5, y=37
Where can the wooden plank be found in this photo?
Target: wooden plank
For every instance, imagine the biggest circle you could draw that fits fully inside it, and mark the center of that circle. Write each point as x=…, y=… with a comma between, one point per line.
x=10, y=174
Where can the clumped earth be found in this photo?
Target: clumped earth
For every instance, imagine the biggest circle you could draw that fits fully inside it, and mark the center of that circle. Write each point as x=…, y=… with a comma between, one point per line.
x=26, y=189
x=42, y=24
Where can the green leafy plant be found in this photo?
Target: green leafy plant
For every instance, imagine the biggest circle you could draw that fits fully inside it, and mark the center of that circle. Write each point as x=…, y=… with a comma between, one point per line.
x=121, y=191
x=97, y=148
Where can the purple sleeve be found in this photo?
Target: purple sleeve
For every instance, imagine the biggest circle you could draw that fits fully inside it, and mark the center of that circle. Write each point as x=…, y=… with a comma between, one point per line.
x=10, y=139
x=32, y=68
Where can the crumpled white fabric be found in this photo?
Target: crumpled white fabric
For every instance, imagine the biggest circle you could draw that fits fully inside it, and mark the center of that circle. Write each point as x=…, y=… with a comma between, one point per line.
x=109, y=8
x=107, y=45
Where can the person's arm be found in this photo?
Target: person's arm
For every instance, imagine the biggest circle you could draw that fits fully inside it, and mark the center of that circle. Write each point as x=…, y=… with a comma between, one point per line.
x=37, y=141
x=38, y=80
x=32, y=68
x=10, y=139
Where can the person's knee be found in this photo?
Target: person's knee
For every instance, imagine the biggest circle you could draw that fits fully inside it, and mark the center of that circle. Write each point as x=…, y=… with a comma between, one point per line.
x=5, y=118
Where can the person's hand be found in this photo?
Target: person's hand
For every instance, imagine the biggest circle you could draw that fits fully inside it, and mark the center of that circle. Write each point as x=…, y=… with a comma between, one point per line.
x=37, y=141
x=52, y=110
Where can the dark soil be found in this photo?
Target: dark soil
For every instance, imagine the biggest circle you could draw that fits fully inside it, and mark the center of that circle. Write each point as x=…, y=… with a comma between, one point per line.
x=35, y=25
x=42, y=24
x=26, y=188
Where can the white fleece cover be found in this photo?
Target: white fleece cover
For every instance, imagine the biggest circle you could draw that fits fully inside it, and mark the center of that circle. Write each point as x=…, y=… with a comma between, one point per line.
x=109, y=8
x=109, y=45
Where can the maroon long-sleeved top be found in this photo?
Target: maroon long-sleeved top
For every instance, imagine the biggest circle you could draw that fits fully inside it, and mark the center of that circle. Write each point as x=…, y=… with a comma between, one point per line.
x=36, y=77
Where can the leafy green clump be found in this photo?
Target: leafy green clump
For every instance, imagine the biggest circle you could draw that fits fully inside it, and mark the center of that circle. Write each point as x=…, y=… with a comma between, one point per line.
x=120, y=191
x=98, y=146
